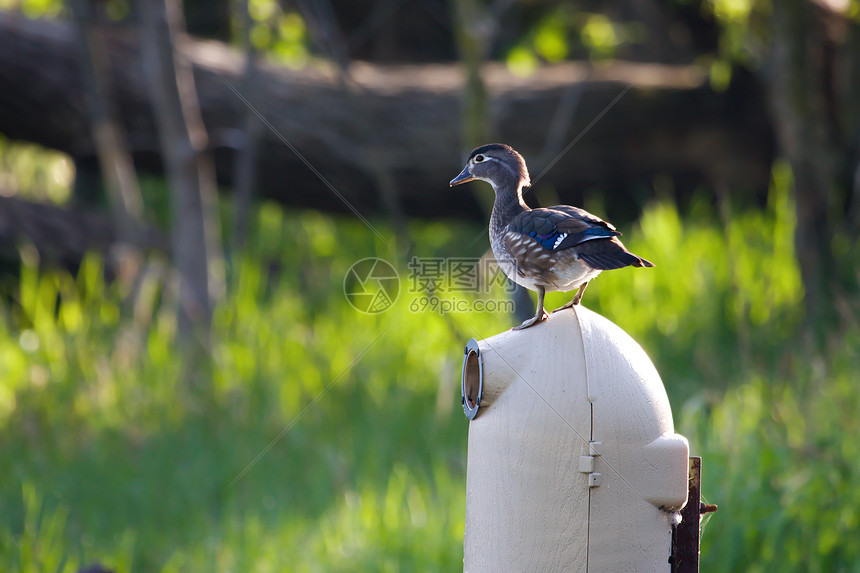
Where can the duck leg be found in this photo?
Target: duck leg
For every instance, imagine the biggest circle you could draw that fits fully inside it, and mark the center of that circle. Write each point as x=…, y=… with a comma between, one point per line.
x=576, y=298
x=540, y=314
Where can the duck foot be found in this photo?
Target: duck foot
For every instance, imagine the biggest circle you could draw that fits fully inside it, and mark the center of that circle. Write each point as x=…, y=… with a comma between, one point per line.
x=576, y=298
x=540, y=313
x=571, y=304
x=540, y=317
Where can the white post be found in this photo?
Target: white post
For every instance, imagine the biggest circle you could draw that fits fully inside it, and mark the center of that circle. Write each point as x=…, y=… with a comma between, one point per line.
x=573, y=462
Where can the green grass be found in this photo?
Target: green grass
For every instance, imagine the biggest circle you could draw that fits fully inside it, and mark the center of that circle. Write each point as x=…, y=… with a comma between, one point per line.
x=107, y=456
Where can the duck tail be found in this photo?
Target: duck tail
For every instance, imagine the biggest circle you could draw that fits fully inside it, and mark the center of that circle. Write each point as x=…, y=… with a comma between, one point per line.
x=609, y=254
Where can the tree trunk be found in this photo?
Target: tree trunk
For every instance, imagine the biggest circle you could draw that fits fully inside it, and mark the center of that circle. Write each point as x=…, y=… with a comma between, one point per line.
x=806, y=129
x=194, y=226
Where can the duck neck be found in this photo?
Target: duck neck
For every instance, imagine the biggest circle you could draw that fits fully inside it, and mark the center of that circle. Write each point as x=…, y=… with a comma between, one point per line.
x=509, y=203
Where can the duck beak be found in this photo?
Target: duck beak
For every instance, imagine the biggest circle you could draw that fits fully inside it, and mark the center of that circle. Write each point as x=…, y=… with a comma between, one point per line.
x=463, y=177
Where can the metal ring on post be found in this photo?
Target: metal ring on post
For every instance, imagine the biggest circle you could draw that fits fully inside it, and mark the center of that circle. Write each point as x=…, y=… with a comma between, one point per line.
x=472, y=381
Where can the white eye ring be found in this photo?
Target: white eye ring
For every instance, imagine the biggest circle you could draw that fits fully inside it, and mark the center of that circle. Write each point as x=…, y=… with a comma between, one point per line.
x=479, y=158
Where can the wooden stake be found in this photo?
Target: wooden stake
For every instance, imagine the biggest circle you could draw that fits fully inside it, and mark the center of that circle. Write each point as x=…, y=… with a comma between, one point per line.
x=685, y=536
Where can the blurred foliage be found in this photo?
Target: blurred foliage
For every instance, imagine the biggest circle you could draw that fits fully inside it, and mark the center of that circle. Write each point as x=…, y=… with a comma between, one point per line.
x=779, y=459
x=33, y=172
x=734, y=17
x=745, y=33
x=564, y=33
x=279, y=33
x=117, y=9
x=35, y=8
x=356, y=417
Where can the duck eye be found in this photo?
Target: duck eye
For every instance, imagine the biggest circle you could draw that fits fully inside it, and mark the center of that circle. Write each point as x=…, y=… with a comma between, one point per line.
x=479, y=158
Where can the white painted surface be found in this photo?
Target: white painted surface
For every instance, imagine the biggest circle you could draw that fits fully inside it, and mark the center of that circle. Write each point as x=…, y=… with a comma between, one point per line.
x=539, y=497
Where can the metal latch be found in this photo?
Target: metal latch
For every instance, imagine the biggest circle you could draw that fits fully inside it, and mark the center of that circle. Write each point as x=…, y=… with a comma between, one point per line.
x=586, y=464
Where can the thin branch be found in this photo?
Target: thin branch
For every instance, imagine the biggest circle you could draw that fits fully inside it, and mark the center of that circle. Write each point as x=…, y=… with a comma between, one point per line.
x=108, y=134
x=247, y=157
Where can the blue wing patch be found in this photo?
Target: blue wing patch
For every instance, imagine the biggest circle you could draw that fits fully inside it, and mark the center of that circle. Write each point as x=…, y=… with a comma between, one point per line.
x=548, y=241
x=556, y=239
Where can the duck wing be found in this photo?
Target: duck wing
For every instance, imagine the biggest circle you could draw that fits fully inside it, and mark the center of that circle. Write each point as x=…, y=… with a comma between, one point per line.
x=556, y=229
x=564, y=227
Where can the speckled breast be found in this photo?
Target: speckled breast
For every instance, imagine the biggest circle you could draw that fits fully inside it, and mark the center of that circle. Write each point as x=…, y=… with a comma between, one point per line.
x=529, y=264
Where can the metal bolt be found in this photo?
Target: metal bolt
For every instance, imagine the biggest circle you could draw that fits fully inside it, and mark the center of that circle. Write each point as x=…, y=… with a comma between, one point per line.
x=706, y=508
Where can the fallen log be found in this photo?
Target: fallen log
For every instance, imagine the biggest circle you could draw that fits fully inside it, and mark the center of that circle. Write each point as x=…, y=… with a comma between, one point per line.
x=63, y=235
x=401, y=124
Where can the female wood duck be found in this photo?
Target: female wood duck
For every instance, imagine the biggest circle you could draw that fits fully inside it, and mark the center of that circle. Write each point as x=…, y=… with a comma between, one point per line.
x=559, y=248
